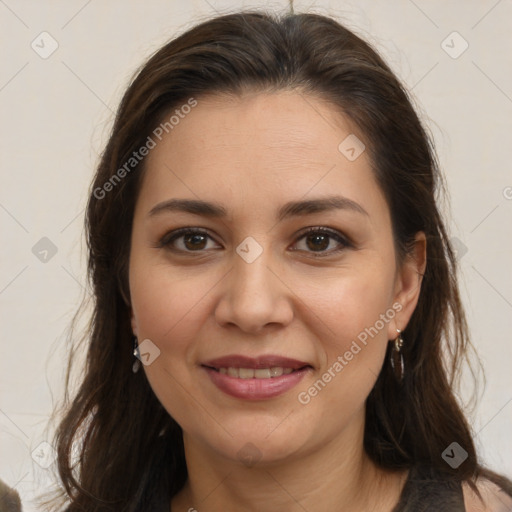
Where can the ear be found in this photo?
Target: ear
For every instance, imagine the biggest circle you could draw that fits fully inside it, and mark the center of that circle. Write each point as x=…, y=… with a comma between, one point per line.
x=408, y=284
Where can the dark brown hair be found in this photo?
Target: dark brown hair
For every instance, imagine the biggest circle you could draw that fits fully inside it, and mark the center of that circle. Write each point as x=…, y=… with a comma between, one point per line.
x=117, y=446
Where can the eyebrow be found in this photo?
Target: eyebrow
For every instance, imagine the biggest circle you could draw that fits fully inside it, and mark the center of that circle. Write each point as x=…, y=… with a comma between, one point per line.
x=290, y=209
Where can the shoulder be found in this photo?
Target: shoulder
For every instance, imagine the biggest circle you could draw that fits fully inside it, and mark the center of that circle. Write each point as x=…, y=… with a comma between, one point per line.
x=495, y=499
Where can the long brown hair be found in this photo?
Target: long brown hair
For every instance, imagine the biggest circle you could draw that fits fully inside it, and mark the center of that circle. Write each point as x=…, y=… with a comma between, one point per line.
x=117, y=446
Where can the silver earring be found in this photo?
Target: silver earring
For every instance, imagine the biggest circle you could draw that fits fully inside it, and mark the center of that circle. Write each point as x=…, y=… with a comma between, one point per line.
x=136, y=363
x=397, y=358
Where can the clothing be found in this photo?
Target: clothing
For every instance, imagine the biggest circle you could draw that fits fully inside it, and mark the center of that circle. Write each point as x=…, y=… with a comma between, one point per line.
x=427, y=491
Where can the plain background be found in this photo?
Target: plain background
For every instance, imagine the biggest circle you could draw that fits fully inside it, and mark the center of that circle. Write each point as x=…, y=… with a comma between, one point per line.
x=56, y=113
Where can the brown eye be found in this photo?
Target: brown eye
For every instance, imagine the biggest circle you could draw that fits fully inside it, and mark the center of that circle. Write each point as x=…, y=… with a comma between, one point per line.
x=323, y=241
x=186, y=240
x=317, y=242
x=193, y=242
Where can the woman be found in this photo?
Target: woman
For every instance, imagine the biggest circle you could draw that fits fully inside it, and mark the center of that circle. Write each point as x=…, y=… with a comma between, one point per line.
x=264, y=238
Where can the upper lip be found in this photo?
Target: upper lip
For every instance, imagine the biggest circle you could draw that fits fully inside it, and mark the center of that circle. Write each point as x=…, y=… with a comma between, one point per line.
x=264, y=361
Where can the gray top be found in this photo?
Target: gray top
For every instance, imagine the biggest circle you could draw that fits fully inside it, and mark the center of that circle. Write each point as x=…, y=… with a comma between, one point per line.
x=427, y=491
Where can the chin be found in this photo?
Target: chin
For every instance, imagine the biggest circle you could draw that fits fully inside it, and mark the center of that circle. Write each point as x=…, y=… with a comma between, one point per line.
x=260, y=444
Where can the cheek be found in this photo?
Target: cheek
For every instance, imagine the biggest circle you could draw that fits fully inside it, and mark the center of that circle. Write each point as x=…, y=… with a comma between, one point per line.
x=171, y=308
x=346, y=304
x=349, y=314
x=167, y=302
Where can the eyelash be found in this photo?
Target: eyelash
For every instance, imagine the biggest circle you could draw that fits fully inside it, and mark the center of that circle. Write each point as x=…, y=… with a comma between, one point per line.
x=166, y=240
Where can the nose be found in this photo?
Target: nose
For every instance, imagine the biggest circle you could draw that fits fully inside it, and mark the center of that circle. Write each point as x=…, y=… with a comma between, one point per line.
x=254, y=296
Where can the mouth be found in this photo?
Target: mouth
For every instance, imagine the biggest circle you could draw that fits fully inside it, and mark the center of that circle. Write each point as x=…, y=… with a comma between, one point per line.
x=256, y=373
x=262, y=367
x=255, y=378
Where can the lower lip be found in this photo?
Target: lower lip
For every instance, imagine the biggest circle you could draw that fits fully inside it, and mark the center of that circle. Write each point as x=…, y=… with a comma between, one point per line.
x=255, y=389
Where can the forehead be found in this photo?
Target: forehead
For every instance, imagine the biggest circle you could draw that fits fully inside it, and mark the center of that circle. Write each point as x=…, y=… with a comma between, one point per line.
x=241, y=149
x=277, y=124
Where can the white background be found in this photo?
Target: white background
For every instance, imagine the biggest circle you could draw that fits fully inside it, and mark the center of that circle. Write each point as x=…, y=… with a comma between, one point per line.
x=56, y=114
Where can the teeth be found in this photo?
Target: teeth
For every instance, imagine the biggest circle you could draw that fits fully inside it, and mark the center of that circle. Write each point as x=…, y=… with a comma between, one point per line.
x=276, y=371
x=246, y=373
x=259, y=373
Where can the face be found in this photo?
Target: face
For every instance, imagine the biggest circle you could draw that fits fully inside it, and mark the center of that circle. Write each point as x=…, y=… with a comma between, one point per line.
x=269, y=317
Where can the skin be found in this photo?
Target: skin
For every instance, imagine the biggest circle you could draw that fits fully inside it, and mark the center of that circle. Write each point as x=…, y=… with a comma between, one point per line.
x=252, y=154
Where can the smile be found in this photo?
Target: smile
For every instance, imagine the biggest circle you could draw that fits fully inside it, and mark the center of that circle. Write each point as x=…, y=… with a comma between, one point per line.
x=255, y=388
x=258, y=373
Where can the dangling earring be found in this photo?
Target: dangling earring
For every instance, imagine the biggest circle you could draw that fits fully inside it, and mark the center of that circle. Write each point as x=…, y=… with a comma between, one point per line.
x=136, y=363
x=397, y=358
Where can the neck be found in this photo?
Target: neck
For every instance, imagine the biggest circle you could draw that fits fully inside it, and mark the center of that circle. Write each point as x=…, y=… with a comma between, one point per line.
x=336, y=476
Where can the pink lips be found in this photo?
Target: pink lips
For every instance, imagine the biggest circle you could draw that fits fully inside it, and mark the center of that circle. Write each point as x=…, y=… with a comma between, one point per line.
x=254, y=388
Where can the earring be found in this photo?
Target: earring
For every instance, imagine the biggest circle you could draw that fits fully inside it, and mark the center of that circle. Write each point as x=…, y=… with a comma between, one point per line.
x=397, y=358
x=136, y=363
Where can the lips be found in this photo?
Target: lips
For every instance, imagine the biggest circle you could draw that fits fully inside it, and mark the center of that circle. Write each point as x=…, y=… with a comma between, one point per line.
x=255, y=378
